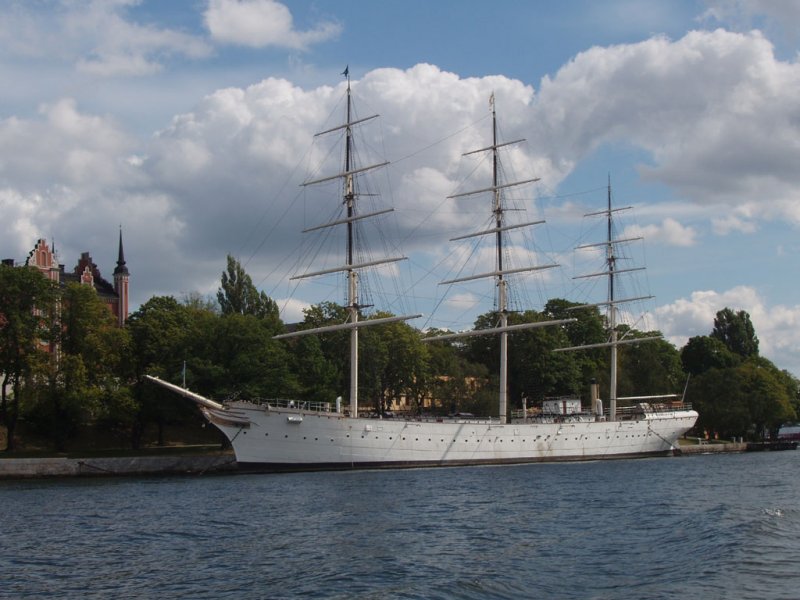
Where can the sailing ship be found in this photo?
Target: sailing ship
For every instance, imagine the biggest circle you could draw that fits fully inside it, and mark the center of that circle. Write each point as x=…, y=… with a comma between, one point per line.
x=294, y=435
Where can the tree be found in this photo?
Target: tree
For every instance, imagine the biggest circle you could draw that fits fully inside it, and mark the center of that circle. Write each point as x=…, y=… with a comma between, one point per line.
x=768, y=396
x=27, y=314
x=589, y=328
x=719, y=397
x=651, y=367
x=333, y=345
x=751, y=399
x=87, y=374
x=238, y=295
x=393, y=362
x=704, y=352
x=534, y=370
x=316, y=376
x=736, y=331
x=248, y=361
x=453, y=381
x=159, y=331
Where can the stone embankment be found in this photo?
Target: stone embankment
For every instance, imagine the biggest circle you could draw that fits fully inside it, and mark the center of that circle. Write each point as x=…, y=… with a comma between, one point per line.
x=198, y=464
x=706, y=447
x=23, y=468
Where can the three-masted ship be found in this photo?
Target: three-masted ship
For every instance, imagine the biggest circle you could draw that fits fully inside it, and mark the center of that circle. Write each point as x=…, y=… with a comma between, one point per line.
x=296, y=435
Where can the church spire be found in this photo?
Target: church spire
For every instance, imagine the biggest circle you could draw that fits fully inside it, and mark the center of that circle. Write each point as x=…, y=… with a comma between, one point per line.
x=121, y=268
x=121, y=284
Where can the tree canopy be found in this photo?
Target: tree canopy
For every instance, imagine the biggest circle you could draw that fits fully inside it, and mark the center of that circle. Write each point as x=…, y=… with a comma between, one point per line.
x=238, y=295
x=28, y=303
x=737, y=392
x=736, y=331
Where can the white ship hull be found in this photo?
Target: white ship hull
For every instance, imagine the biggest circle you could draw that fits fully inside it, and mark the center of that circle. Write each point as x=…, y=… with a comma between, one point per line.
x=284, y=438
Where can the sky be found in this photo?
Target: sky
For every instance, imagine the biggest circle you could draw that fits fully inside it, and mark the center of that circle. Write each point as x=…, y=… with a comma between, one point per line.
x=190, y=125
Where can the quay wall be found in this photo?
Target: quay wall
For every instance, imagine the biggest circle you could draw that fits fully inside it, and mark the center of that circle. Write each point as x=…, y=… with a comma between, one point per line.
x=26, y=468
x=709, y=448
x=23, y=468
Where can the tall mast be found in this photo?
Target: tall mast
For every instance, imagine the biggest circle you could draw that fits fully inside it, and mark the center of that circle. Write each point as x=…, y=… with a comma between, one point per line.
x=502, y=301
x=611, y=273
x=499, y=273
x=352, y=275
x=350, y=268
x=612, y=312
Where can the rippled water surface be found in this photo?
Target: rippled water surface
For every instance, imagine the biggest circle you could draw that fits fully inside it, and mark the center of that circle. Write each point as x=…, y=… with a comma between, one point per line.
x=691, y=527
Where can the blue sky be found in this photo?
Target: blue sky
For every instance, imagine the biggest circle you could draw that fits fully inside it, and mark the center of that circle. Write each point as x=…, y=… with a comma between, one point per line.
x=190, y=124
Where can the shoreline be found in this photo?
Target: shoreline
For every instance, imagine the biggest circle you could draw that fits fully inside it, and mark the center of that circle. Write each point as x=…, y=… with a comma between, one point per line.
x=712, y=448
x=117, y=466
x=218, y=462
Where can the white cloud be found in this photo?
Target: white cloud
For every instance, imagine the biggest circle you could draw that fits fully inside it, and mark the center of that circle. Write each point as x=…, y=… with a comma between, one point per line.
x=716, y=110
x=65, y=147
x=670, y=233
x=777, y=326
x=291, y=309
x=96, y=36
x=262, y=23
x=732, y=223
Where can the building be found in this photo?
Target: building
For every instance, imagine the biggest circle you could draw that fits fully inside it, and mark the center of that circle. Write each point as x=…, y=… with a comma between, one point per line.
x=115, y=295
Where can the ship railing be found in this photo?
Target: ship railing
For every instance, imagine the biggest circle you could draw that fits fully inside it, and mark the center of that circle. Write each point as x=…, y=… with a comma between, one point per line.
x=300, y=405
x=638, y=410
x=623, y=413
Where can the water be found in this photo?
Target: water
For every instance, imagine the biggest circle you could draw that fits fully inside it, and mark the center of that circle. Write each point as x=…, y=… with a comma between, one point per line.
x=693, y=527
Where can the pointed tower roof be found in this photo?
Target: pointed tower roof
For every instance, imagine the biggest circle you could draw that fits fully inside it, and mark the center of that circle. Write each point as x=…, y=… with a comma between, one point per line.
x=121, y=268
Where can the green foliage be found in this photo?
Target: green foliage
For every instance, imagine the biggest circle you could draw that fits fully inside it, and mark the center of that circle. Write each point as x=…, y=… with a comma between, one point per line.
x=751, y=399
x=238, y=295
x=705, y=352
x=736, y=392
x=736, y=331
x=455, y=383
x=160, y=331
x=316, y=376
x=28, y=304
x=589, y=328
x=534, y=370
x=333, y=345
x=80, y=381
x=649, y=368
x=248, y=362
x=392, y=361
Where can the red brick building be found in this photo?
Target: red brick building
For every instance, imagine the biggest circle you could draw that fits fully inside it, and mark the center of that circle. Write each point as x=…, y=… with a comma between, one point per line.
x=115, y=295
